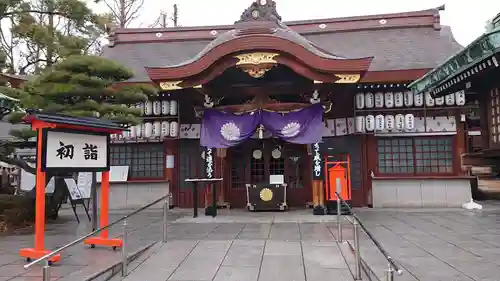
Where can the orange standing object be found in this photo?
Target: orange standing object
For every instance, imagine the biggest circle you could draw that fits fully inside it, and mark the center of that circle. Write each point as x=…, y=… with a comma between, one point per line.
x=103, y=238
x=39, y=250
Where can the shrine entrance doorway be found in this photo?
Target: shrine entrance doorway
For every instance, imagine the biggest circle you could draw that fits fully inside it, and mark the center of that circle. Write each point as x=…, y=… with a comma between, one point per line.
x=254, y=161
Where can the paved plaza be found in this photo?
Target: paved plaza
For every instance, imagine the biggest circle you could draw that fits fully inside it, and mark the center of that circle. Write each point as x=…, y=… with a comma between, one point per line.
x=428, y=244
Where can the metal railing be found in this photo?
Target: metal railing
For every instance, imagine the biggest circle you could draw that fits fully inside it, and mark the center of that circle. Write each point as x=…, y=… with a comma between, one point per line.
x=48, y=263
x=393, y=268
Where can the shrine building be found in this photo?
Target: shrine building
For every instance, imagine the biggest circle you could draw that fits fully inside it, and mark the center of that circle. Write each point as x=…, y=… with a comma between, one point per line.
x=270, y=79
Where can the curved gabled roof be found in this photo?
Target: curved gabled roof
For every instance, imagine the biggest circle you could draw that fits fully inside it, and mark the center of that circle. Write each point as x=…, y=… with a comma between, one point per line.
x=260, y=29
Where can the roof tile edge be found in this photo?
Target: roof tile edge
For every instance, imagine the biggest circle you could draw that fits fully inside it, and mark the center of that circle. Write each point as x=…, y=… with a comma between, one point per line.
x=423, y=18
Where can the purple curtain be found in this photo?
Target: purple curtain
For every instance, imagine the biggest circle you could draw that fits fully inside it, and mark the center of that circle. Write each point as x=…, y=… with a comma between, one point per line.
x=223, y=130
x=304, y=126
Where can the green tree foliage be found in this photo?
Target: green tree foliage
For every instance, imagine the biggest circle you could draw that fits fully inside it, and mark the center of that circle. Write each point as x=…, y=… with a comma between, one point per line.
x=50, y=30
x=80, y=86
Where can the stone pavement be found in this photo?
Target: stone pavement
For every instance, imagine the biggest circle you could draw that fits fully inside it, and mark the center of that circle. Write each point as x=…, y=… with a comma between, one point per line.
x=247, y=247
x=80, y=261
x=447, y=245
x=432, y=244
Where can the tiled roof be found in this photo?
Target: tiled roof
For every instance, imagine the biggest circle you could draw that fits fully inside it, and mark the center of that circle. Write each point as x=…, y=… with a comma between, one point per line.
x=397, y=47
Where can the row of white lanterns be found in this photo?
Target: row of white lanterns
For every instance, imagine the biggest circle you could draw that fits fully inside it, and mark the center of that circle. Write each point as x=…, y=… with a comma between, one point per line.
x=158, y=108
x=150, y=130
x=380, y=122
x=406, y=99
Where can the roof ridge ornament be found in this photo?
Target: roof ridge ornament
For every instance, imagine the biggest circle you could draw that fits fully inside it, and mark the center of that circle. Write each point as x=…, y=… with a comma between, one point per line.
x=264, y=10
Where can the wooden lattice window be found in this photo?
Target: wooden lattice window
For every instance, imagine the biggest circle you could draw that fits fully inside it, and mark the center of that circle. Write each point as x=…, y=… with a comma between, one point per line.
x=257, y=170
x=276, y=166
x=238, y=167
x=145, y=161
x=415, y=156
x=494, y=116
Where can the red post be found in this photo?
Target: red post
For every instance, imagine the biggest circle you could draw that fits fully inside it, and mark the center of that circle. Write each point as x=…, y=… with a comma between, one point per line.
x=104, y=219
x=103, y=238
x=39, y=250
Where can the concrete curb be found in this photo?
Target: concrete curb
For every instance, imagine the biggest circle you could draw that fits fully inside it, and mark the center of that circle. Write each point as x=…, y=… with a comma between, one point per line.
x=114, y=269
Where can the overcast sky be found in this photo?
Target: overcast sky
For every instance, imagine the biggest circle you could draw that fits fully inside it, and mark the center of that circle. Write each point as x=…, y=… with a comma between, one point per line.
x=466, y=18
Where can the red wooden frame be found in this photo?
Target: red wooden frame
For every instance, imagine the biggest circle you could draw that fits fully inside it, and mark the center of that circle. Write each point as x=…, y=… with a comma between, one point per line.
x=329, y=163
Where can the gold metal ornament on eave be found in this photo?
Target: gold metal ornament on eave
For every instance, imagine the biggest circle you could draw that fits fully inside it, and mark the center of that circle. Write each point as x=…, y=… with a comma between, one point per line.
x=347, y=78
x=170, y=85
x=256, y=64
x=256, y=58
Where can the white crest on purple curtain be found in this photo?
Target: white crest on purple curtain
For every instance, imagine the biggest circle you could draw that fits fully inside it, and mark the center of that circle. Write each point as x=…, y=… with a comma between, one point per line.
x=304, y=126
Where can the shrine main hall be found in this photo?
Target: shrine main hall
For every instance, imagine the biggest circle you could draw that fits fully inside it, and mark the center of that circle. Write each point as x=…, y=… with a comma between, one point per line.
x=268, y=97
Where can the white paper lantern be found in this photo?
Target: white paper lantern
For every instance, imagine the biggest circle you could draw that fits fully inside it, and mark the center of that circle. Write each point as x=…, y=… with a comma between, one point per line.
x=360, y=100
x=360, y=124
x=408, y=98
x=389, y=99
x=439, y=101
x=165, y=129
x=460, y=97
x=125, y=135
x=379, y=100
x=148, y=130
x=370, y=123
x=173, y=107
x=429, y=100
x=140, y=106
x=156, y=129
x=369, y=100
x=148, y=108
x=165, y=107
x=157, y=108
x=409, y=122
x=379, y=122
x=418, y=99
x=139, y=130
x=398, y=99
x=174, y=129
x=132, y=129
x=449, y=99
x=389, y=122
x=399, y=121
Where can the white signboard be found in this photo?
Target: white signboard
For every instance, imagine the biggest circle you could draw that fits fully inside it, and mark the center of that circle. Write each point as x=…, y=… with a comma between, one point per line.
x=73, y=189
x=276, y=179
x=28, y=182
x=116, y=174
x=84, y=184
x=75, y=151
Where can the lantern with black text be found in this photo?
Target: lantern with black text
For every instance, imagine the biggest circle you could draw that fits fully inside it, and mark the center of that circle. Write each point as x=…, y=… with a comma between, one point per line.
x=418, y=99
x=369, y=100
x=408, y=98
x=360, y=101
x=450, y=99
x=379, y=100
x=389, y=99
x=398, y=99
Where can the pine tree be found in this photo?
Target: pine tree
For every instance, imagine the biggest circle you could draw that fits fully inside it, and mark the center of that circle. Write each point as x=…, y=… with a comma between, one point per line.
x=79, y=86
x=51, y=30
